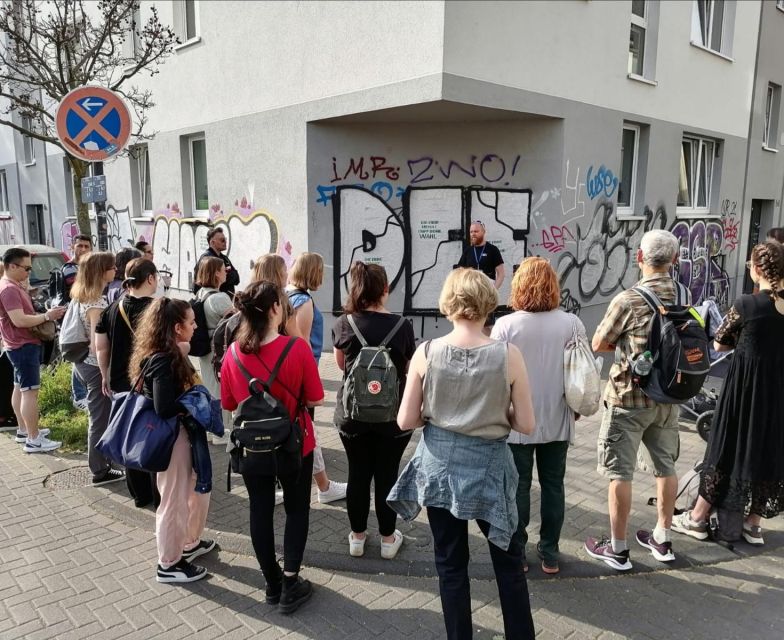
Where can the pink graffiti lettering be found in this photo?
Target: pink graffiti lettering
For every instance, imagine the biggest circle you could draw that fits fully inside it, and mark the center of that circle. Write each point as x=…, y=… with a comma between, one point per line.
x=555, y=238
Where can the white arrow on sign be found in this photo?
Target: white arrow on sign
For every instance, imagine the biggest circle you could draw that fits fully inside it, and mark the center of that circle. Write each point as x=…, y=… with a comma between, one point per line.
x=88, y=104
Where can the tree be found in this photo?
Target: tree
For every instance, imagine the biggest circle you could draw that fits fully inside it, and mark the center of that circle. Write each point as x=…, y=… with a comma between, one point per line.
x=55, y=46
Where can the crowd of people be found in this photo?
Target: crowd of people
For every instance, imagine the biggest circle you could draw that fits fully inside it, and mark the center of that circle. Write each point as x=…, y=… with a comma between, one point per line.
x=485, y=420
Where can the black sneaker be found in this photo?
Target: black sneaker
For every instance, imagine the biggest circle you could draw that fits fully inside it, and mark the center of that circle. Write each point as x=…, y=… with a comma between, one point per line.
x=183, y=571
x=296, y=592
x=112, y=475
x=204, y=546
x=602, y=550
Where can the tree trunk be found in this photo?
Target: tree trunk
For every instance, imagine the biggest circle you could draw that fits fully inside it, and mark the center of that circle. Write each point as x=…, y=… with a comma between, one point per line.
x=80, y=169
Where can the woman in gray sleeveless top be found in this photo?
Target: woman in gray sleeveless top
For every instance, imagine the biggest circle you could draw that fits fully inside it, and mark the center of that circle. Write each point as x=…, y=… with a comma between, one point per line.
x=469, y=391
x=541, y=331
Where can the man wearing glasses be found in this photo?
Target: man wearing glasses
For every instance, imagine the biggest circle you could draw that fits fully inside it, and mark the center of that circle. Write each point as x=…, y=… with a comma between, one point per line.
x=17, y=315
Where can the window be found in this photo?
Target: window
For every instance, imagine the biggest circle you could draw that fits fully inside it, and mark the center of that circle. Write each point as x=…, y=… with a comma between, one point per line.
x=696, y=174
x=630, y=151
x=144, y=184
x=198, y=161
x=639, y=29
x=3, y=192
x=712, y=25
x=136, y=28
x=772, y=108
x=27, y=141
x=186, y=20
x=780, y=4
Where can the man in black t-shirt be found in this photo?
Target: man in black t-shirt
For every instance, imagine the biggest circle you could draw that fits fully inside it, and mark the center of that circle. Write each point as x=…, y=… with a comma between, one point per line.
x=482, y=255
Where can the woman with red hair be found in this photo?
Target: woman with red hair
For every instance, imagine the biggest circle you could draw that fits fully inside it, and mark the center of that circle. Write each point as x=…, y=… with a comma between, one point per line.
x=541, y=331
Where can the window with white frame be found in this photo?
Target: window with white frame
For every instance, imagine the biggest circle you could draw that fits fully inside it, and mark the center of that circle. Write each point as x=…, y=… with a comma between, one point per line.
x=630, y=152
x=136, y=27
x=712, y=25
x=198, y=163
x=3, y=192
x=144, y=185
x=695, y=179
x=186, y=20
x=637, y=37
x=772, y=109
x=780, y=4
x=27, y=141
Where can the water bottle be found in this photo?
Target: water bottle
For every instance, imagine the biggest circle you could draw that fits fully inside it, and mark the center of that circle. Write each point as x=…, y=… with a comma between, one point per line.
x=643, y=364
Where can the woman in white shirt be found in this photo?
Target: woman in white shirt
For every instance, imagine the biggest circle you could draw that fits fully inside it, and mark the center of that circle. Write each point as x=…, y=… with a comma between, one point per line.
x=541, y=331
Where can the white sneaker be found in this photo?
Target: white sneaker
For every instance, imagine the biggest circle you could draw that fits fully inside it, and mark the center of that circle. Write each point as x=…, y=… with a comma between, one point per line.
x=278, y=497
x=335, y=491
x=81, y=405
x=389, y=549
x=21, y=436
x=356, y=546
x=41, y=444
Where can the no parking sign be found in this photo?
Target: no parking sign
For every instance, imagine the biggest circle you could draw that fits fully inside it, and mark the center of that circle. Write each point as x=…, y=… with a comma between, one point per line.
x=93, y=123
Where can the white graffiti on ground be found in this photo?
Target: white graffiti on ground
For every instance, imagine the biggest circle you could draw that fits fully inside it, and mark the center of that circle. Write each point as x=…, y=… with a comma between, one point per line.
x=178, y=243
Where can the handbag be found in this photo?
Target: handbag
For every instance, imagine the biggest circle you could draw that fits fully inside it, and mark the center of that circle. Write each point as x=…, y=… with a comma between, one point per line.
x=137, y=437
x=582, y=375
x=265, y=440
x=46, y=331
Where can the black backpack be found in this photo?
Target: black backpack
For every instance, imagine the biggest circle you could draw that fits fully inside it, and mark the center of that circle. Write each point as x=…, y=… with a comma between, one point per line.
x=678, y=343
x=222, y=338
x=265, y=441
x=201, y=345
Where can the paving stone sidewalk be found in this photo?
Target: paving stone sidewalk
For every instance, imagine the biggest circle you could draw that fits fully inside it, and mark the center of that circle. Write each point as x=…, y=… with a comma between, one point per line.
x=586, y=514
x=69, y=572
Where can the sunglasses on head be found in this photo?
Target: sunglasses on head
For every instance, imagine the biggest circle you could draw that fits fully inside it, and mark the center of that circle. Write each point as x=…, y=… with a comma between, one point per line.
x=479, y=222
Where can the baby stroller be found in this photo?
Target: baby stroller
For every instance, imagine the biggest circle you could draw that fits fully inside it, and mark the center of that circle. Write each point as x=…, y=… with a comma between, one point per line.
x=700, y=408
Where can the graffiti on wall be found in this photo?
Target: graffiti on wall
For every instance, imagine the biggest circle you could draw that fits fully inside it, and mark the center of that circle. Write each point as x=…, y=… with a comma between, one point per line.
x=701, y=260
x=178, y=242
x=730, y=224
x=376, y=174
x=422, y=240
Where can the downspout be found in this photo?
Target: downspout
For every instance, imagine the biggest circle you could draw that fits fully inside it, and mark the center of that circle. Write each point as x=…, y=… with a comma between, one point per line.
x=19, y=189
x=747, y=229
x=48, y=198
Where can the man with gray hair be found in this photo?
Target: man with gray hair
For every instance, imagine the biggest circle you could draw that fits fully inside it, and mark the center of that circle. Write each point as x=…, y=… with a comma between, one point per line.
x=630, y=417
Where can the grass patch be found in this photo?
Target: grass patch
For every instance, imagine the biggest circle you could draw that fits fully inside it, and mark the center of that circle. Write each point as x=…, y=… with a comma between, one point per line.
x=58, y=413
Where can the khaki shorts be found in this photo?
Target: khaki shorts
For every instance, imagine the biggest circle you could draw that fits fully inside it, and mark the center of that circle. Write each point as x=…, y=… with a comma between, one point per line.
x=623, y=430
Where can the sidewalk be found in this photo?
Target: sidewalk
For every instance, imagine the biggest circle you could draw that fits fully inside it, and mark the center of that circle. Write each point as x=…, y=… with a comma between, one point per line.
x=80, y=563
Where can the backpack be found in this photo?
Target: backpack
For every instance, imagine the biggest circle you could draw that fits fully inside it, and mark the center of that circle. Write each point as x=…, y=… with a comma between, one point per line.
x=678, y=343
x=265, y=441
x=222, y=338
x=74, y=341
x=56, y=288
x=371, y=386
x=200, y=341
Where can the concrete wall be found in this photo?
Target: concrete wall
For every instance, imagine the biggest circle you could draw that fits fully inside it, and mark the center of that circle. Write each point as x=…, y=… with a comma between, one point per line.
x=579, y=50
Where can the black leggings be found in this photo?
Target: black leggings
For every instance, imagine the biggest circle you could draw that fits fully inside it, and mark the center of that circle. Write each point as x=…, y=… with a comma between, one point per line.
x=372, y=457
x=296, y=502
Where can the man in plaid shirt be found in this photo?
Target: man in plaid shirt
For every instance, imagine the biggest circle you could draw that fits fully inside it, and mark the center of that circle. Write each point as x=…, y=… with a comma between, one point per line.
x=630, y=417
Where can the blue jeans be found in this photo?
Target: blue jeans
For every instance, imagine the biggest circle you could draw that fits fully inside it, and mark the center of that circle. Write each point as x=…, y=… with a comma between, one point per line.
x=78, y=387
x=27, y=366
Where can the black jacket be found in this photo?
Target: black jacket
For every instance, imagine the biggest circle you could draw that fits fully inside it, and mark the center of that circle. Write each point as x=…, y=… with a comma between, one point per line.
x=232, y=276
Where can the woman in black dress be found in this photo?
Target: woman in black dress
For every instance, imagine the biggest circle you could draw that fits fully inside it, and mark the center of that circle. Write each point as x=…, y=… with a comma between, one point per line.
x=744, y=461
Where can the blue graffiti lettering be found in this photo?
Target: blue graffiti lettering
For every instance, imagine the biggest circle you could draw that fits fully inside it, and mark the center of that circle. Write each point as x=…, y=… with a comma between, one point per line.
x=604, y=182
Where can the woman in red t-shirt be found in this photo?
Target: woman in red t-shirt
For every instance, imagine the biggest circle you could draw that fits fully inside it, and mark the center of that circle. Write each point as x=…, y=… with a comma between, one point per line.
x=260, y=346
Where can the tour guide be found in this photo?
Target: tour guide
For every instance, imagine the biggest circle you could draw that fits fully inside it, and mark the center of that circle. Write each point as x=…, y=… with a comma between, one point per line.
x=482, y=255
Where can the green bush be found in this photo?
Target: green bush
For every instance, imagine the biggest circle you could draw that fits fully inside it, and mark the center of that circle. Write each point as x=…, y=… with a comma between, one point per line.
x=57, y=411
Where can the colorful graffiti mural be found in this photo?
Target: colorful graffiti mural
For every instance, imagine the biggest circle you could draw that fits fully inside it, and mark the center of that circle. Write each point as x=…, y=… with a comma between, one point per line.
x=701, y=260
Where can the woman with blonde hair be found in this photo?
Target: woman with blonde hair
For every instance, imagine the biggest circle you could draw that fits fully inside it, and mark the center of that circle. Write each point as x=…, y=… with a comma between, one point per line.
x=209, y=278
x=272, y=268
x=541, y=331
x=307, y=274
x=165, y=373
x=96, y=270
x=469, y=392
